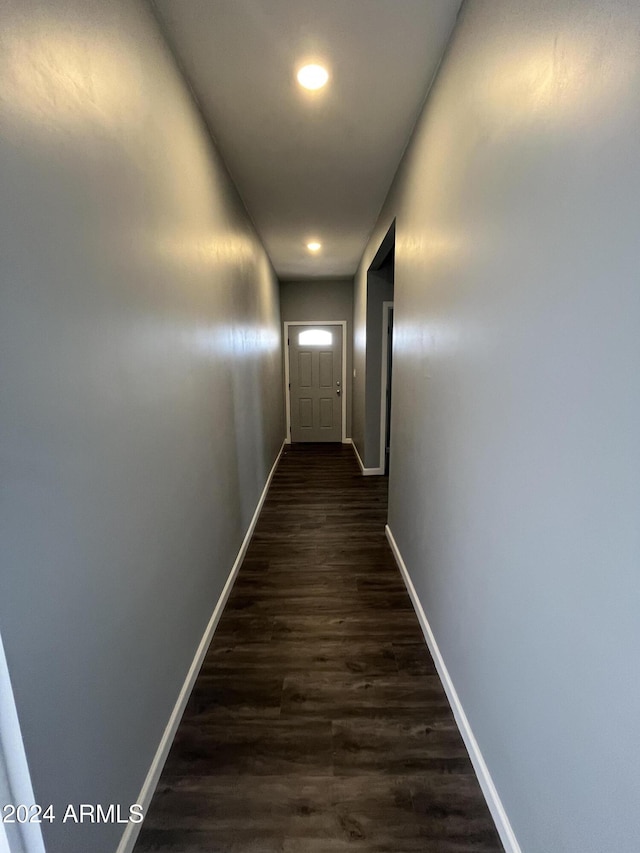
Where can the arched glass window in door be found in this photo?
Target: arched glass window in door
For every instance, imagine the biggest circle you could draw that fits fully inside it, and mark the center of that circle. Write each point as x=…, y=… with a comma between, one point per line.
x=315, y=338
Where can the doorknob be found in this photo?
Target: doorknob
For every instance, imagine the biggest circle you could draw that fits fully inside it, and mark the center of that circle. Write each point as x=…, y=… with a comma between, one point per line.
x=338, y=392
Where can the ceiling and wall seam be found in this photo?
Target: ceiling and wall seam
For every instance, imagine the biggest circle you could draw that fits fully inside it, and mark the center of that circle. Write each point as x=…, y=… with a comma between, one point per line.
x=205, y=123
x=412, y=131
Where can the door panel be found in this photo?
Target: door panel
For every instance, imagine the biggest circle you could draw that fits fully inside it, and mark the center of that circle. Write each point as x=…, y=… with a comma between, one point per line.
x=305, y=369
x=326, y=413
x=326, y=369
x=315, y=373
x=306, y=413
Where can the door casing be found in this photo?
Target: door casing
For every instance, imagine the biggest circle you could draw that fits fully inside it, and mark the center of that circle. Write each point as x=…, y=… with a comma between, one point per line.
x=384, y=382
x=287, y=378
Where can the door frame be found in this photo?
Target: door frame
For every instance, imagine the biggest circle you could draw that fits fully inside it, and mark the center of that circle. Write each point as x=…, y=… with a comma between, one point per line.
x=15, y=779
x=287, y=389
x=384, y=381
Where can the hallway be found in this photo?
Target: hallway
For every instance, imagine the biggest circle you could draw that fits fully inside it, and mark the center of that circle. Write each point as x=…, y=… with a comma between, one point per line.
x=318, y=723
x=462, y=189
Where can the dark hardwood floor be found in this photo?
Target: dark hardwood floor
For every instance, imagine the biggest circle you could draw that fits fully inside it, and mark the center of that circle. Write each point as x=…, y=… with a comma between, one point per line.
x=318, y=723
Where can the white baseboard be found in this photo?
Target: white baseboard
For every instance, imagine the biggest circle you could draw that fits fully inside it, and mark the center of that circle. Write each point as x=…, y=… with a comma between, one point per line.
x=366, y=472
x=132, y=830
x=491, y=795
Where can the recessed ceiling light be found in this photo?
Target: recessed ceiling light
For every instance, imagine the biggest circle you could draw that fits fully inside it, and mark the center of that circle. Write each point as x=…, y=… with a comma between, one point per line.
x=314, y=246
x=313, y=76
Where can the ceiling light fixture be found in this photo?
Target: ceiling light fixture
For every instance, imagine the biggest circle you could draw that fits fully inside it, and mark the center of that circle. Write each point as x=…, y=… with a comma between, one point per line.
x=313, y=76
x=314, y=246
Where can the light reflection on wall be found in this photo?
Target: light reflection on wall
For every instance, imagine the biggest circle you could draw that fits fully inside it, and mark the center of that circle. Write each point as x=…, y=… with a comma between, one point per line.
x=59, y=79
x=226, y=249
x=238, y=341
x=360, y=338
x=553, y=80
x=434, y=338
x=430, y=245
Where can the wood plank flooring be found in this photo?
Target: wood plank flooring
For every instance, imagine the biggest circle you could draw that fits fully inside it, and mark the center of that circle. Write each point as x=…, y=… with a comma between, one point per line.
x=318, y=723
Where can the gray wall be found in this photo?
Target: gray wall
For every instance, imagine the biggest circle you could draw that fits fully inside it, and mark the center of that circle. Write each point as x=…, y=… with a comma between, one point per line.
x=515, y=468
x=140, y=368
x=322, y=299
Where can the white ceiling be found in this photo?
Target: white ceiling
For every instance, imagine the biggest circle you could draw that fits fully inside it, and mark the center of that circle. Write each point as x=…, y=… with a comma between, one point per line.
x=310, y=165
